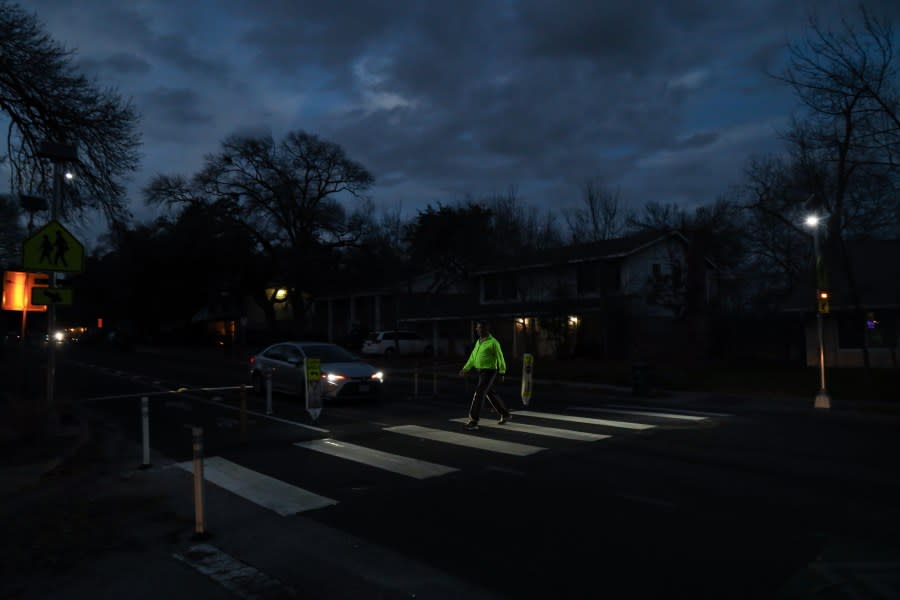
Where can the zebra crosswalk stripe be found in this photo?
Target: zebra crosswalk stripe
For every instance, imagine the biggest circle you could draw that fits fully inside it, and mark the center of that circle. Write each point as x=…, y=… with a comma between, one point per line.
x=586, y=420
x=404, y=465
x=467, y=440
x=643, y=413
x=274, y=494
x=567, y=434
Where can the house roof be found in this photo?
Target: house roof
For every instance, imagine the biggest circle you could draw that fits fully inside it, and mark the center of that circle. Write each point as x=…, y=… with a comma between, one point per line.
x=592, y=251
x=876, y=267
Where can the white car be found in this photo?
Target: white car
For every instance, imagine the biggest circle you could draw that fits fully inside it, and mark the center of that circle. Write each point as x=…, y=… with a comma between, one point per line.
x=344, y=374
x=401, y=343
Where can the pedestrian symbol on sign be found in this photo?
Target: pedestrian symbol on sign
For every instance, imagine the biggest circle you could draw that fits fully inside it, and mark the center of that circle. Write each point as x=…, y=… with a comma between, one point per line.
x=53, y=248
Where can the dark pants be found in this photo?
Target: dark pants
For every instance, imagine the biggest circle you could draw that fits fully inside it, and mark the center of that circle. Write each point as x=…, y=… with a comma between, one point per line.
x=485, y=389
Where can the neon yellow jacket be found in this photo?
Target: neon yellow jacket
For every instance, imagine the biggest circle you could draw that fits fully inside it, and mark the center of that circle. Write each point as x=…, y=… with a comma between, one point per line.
x=486, y=355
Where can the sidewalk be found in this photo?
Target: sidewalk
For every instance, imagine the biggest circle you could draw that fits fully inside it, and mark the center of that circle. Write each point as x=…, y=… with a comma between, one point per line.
x=95, y=525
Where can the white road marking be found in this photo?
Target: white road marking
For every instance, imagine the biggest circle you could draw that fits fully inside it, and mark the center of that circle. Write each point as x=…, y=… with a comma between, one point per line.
x=587, y=420
x=274, y=494
x=238, y=578
x=411, y=467
x=648, y=413
x=567, y=434
x=462, y=439
x=678, y=411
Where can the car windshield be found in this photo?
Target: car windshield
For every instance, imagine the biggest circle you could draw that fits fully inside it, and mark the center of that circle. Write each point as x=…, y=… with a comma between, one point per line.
x=328, y=353
x=373, y=337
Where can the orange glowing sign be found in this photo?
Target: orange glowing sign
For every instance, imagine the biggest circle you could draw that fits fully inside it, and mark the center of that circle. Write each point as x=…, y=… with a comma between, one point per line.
x=17, y=288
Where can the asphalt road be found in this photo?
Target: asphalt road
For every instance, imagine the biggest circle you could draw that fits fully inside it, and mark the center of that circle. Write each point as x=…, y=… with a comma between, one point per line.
x=638, y=500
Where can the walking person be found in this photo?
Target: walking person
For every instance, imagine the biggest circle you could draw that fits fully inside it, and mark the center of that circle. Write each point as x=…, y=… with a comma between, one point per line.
x=487, y=359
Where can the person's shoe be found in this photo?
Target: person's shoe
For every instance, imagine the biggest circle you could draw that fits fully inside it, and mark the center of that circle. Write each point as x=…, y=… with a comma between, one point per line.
x=472, y=425
x=504, y=419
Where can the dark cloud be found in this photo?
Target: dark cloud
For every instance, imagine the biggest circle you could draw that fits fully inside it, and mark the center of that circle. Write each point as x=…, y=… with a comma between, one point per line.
x=121, y=64
x=175, y=113
x=665, y=100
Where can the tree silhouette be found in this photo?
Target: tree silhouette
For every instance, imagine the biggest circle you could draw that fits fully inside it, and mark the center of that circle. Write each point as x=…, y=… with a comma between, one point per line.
x=46, y=100
x=286, y=195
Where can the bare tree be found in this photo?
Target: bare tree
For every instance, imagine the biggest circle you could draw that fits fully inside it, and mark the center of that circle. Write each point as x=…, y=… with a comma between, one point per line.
x=46, y=100
x=521, y=228
x=600, y=217
x=847, y=144
x=12, y=233
x=286, y=194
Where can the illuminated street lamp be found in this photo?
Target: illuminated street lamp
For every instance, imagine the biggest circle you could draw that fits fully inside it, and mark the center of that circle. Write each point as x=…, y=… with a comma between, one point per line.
x=823, y=400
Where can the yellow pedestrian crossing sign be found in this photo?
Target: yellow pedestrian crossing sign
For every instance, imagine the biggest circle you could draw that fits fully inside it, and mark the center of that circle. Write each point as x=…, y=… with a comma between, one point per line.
x=53, y=248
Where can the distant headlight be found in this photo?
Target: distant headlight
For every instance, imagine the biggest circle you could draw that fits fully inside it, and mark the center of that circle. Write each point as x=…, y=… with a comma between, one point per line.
x=59, y=336
x=334, y=377
x=379, y=376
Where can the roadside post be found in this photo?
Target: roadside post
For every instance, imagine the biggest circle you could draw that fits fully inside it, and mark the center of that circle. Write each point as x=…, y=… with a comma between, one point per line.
x=313, y=371
x=199, y=497
x=243, y=413
x=268, y=391
x=527, y=368
x=67, y=252
x=145, y=428
x=434, y=379
x=416, y=382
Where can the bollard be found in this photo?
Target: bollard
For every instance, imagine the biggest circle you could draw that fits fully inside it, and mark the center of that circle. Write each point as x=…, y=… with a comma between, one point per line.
x=269, y=392
x=145, y=428
x=527, y=373
x=199, y=504
x=243, y=414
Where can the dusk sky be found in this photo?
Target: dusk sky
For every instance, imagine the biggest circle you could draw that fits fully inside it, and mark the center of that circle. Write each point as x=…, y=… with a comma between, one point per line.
x=664, y=100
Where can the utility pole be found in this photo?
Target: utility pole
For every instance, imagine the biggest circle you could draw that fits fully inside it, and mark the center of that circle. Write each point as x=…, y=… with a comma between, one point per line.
x=59, y=154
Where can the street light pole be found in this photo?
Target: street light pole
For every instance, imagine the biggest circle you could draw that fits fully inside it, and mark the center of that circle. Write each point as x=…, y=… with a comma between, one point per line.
x=823, y=400
x=58, y=154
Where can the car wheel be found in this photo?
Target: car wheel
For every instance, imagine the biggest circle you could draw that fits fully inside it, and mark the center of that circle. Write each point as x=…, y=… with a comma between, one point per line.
x=256, y=381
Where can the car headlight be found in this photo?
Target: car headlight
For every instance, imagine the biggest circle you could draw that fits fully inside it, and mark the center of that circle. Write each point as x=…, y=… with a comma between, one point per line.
x=334, y=377
x=59, y=336
x=379, y=376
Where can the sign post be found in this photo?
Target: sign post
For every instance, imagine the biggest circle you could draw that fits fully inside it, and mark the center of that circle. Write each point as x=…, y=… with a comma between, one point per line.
x=313, y=370
x=53, y=248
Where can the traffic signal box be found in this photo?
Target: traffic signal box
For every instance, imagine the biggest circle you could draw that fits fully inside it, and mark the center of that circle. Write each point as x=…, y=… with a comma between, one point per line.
x=822, y=300
x=17, y=288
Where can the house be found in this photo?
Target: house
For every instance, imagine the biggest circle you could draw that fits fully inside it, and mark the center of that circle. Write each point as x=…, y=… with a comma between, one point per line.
x=345, y=317
x=620, y=298
x=845, y=330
